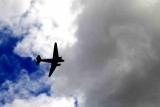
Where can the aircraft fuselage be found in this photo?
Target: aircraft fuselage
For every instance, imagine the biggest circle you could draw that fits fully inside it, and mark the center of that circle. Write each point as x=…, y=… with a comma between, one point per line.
x=54, y=61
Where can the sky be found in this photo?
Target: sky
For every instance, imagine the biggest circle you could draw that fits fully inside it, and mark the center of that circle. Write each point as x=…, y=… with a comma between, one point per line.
x=110, y=47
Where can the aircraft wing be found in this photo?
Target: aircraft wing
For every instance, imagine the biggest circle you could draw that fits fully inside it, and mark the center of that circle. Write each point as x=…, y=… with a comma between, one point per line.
x=53, y=67
x=55, y=53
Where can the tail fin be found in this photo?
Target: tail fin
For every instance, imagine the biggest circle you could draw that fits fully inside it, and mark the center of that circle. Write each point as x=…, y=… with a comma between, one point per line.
x=38, y=59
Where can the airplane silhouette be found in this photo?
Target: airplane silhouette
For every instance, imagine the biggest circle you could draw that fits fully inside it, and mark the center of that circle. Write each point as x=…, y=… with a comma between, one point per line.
x=54, y=61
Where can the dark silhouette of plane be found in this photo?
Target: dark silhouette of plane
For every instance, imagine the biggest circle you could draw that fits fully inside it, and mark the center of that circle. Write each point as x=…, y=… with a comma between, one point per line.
x=54, y=61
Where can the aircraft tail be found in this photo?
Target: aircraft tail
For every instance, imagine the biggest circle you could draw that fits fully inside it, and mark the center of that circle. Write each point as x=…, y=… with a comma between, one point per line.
x=38, y=59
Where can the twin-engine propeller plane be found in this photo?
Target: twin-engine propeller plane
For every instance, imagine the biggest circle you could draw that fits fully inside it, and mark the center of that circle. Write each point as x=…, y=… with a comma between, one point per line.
x=54, y=61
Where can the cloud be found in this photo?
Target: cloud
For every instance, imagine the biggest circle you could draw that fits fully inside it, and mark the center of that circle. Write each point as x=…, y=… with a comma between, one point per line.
x=13, y=8
x=115, y=59
x=37, y=25
x=11, y=12
x=46, y=24
x=10, y=63
x=43, y=101
x=116, y=55
x=23, y=87
x=40, y=19
x=28, y=91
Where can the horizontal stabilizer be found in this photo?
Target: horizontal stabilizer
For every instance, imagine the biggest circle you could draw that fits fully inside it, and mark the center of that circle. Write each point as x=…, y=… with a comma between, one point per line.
x=38, y=59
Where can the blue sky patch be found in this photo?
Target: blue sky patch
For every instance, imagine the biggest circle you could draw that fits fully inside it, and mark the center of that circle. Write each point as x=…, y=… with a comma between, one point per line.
x=10, y=63
x=11, y=66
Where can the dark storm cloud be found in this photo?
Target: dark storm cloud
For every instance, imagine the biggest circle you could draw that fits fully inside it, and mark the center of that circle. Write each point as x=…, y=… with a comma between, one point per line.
x=116, y=60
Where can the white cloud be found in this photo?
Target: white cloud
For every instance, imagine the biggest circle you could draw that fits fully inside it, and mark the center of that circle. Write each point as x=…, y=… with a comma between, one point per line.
x=13, y=8
x=19, y=93
x=42, y=101
x=41, y=23
x=23, y=86
x=11, y=12
x=55, y=20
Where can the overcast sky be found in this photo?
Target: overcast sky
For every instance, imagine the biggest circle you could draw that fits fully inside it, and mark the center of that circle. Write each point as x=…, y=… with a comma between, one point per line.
x=110, y=47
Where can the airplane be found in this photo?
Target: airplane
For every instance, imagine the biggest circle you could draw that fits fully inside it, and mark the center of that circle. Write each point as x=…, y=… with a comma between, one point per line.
x=54, y=61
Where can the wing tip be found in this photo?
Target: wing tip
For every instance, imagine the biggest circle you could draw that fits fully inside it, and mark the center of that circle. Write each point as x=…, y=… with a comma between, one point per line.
x=49, y=75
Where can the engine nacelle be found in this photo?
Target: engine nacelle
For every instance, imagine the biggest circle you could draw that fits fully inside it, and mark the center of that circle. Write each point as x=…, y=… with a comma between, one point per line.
x=58, y=64
x=61, y=60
